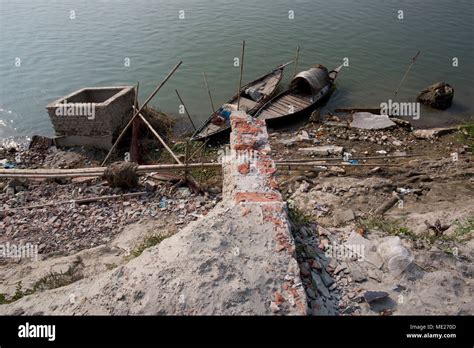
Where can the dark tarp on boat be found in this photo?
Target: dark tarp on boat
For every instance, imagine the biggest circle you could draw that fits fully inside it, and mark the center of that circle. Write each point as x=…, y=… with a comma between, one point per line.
x=311, y=81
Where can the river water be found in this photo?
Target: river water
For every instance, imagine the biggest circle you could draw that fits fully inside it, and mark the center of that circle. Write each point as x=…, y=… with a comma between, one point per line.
x=50, y=48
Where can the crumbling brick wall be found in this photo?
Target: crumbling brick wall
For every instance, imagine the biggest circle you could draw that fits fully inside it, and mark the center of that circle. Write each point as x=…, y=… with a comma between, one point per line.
x=249, y=181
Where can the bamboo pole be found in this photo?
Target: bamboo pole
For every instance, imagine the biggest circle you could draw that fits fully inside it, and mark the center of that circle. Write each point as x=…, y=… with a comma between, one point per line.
x=134, y=146
x=135, y=102
x=159, y=138
x=140, y=109
x=208, y=92
x=185, y=109
x=186, y=159
x=241, y=73
x=408, y=70
x=283, y=65
x=352, y=158
x=98, y=171
x=296, y=58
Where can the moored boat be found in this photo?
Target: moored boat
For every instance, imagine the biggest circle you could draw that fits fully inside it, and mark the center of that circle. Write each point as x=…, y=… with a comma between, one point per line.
x=252, y=96
x=306, y=92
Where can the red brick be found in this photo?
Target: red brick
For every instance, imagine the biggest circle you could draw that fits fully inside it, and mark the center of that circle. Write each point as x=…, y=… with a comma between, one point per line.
x=257, y=197
x=244, y=168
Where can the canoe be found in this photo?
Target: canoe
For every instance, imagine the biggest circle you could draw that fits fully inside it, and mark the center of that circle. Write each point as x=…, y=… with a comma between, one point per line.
x=252, y=96
x=306, y=92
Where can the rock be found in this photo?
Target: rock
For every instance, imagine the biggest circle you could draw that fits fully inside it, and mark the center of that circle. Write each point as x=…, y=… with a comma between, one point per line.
x=183, y=192
x=438, y=96
x=311, y=293
x=40, y=143
x=287, y=142
x=397, y=143
x=303, y=136
x=17, y=184
x=366, y=120
x=357, y=274
x=324, y=150
x=338, y=170
x=327, y=280
x=315, y=116
x=433, y=133
x=64, y=159
x=10, y=191
x=375, y=170
x=371, y=296
x=375, y=275
x=215, y=190
x=340, y=268
x=343, y=216
x=402, y=123
x=318, y=284
x=274, y=307
x=399, y=153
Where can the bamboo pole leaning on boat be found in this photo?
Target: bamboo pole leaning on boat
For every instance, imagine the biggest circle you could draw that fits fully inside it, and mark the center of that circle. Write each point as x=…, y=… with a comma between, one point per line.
x=208, y=92
x=296, y=59
x=185, y=109
x=241, y=63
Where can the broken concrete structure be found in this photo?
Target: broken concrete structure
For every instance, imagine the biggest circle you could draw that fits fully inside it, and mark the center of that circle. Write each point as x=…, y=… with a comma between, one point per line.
x=237, y=260
x=91, y=116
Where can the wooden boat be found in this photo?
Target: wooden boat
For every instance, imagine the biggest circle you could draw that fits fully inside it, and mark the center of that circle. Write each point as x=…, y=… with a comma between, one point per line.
x=252, y=96
x=306, y=92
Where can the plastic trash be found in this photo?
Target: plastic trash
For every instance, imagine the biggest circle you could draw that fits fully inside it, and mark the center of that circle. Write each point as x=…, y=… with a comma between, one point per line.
x=9, y=165
x=163, y=202
x=403, y=190
x=395, y=255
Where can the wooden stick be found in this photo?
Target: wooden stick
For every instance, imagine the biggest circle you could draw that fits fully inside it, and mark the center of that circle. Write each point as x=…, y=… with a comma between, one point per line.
x=135, y=103
x=159, y=138
x=387, y=205
x=77, y=201
x=283, y=65
x=134, y=146
x=296, y=58
x=352, y=158
x=185, y=109
x=198, y=149
x=208, y=92
x=186, y=159
x=139, y=110
x=371, y=110
x=323, y=164
x=241, y=73
x=202, y=161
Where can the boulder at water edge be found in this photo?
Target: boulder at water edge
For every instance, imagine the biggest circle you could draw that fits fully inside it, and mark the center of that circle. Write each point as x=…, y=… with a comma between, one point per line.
x=438, y=96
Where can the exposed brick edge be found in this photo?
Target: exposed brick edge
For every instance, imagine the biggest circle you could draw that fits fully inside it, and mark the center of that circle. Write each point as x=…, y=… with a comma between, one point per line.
x=252, y=184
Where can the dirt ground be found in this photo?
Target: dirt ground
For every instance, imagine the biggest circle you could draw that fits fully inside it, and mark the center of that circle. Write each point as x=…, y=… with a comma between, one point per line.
x=432, y=220
x=330, y=206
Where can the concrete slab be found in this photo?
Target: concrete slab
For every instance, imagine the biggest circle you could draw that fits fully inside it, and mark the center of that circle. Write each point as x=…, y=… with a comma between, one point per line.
x=366, y=120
